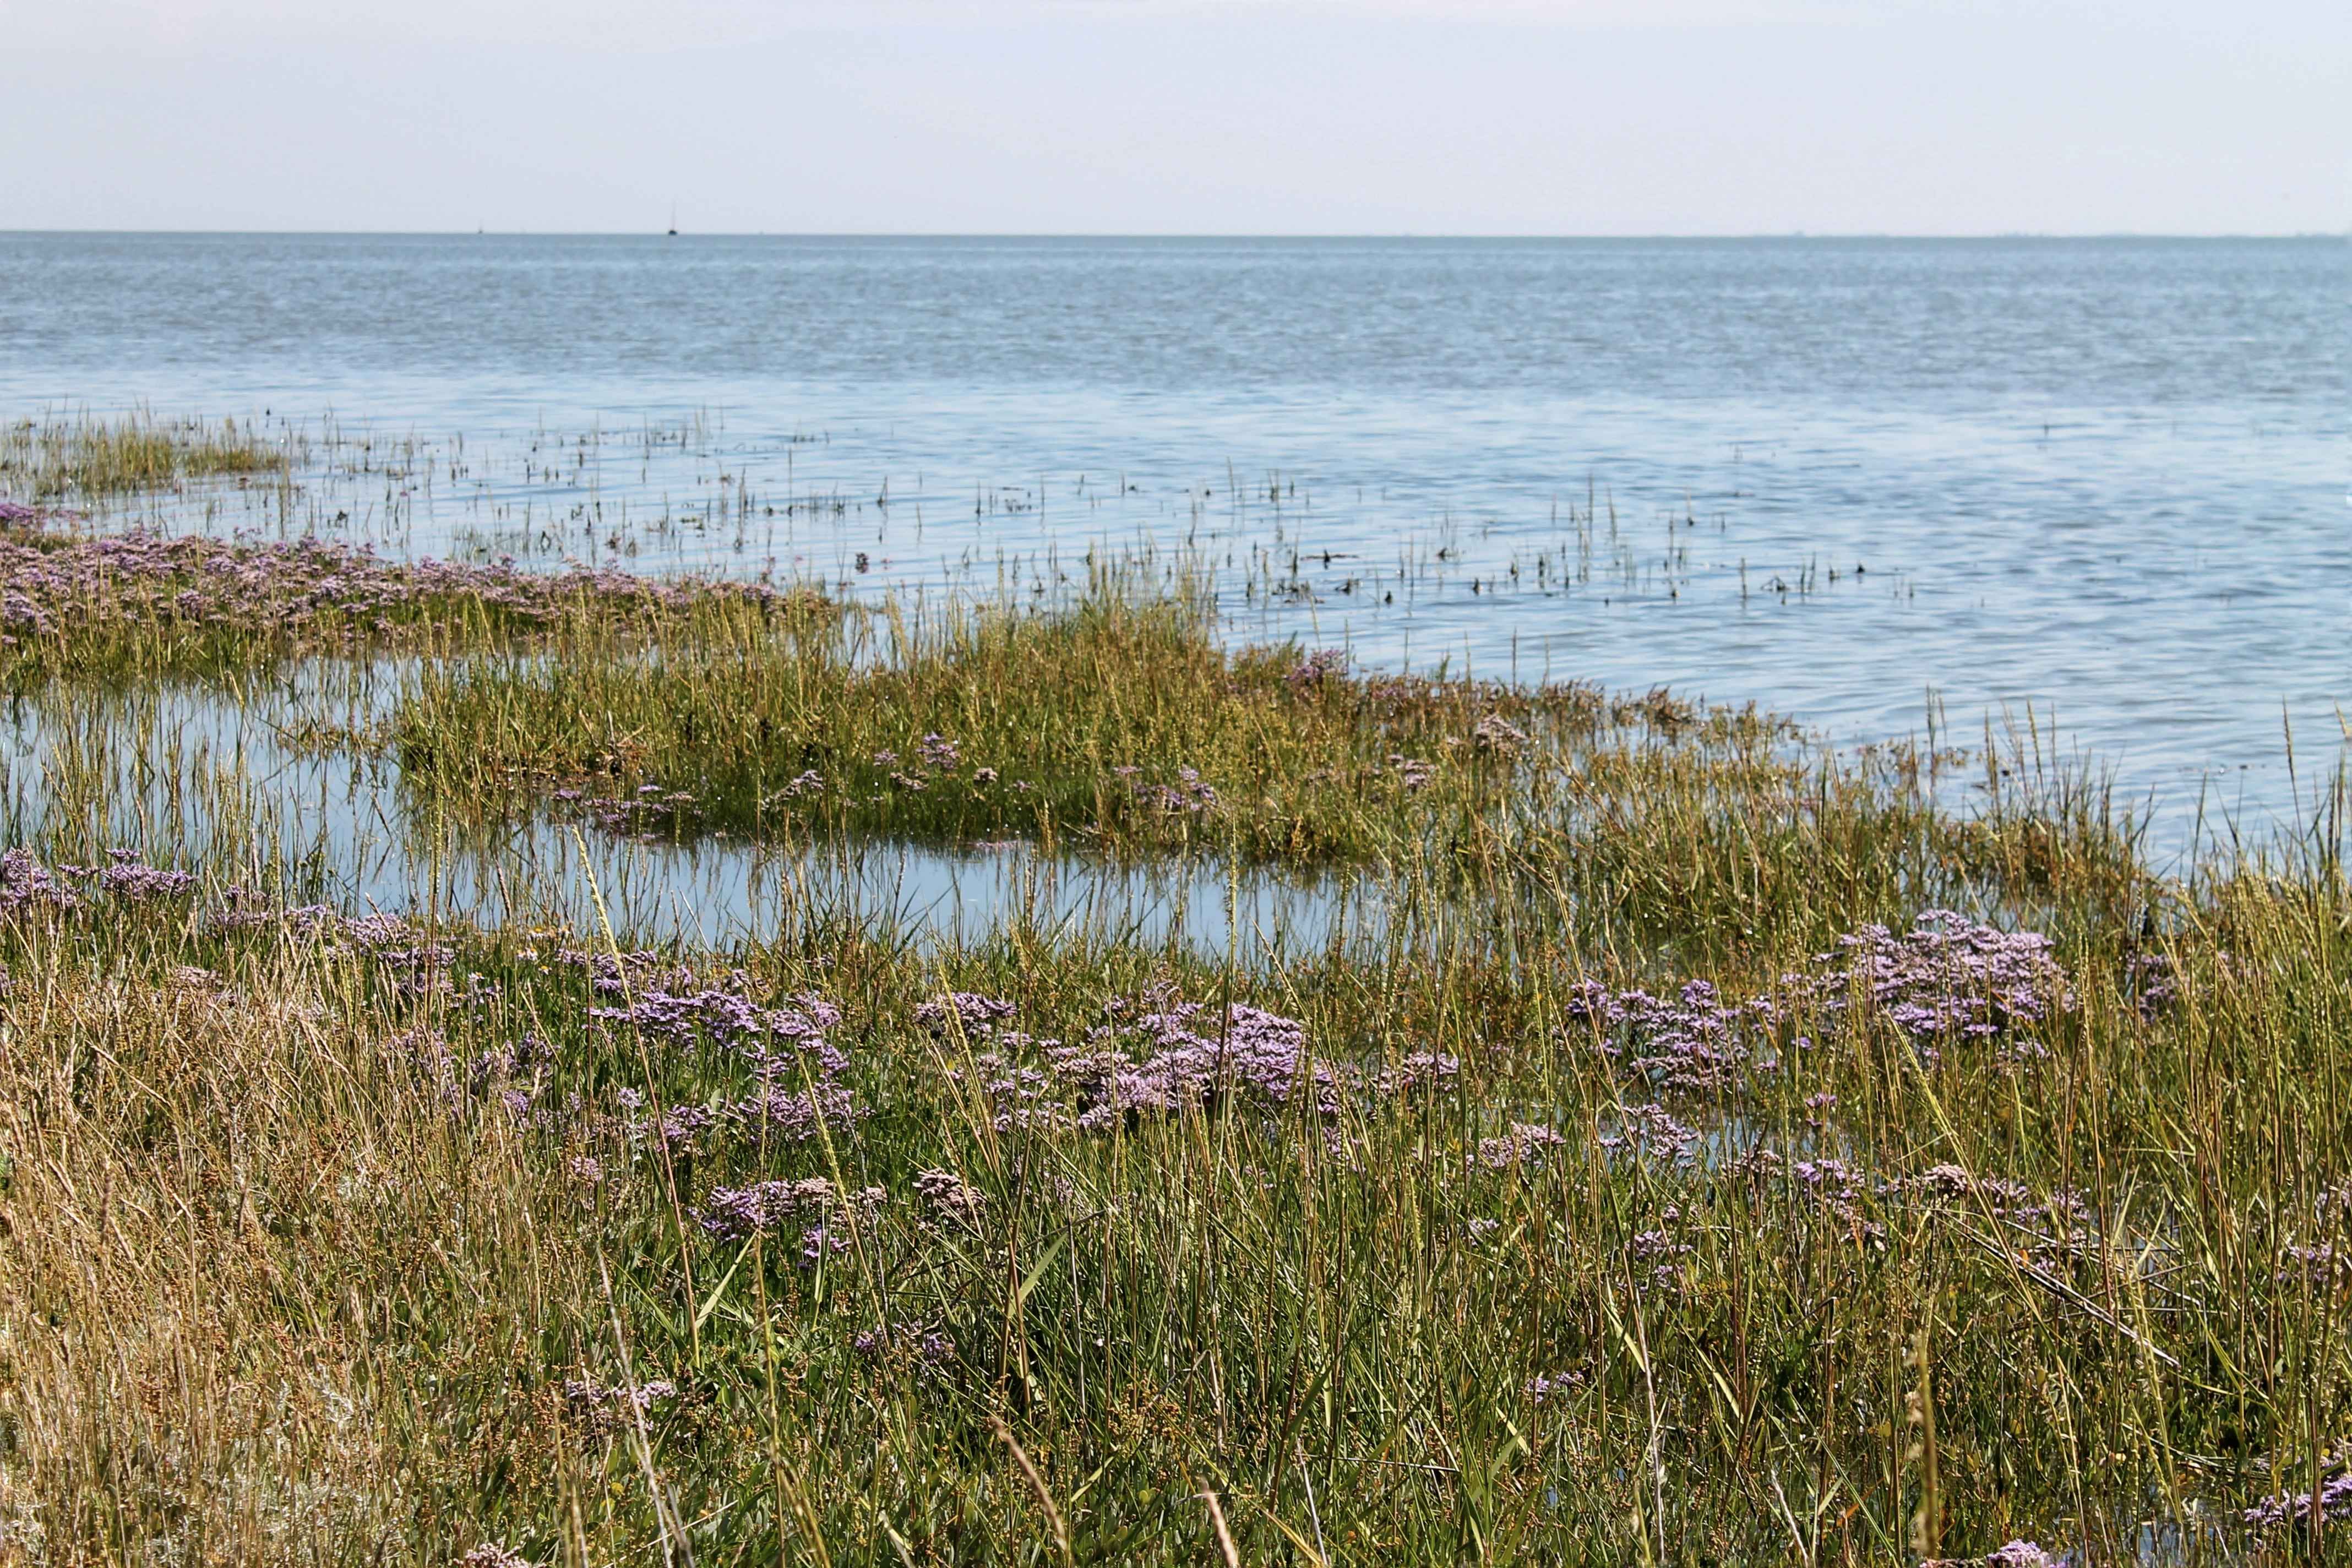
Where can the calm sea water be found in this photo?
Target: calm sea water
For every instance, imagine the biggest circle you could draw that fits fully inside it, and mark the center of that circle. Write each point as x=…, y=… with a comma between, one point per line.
x=1846, y=480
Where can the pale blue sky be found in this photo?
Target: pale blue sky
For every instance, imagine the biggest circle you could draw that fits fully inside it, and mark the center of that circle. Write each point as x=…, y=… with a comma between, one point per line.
x=1181, y=116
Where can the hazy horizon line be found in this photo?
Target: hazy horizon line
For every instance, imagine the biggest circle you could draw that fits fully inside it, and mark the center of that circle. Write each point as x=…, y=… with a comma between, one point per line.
x=1199, y=235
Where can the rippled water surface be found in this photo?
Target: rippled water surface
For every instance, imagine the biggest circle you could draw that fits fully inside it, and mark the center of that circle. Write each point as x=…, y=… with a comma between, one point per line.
x=2105, y=478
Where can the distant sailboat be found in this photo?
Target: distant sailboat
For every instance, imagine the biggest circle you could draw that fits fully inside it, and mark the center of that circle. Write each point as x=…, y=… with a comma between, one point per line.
x=672, y=220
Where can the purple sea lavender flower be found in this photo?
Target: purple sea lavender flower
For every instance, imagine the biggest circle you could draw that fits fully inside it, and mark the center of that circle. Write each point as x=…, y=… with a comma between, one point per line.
x=1424, y=1072
x=2333, y=1500
x=1946, y=982
x=2016, y=1554
x=725, y=1019
x=794, y=1116
x=612, y=975
x=969, y=1011
x=1323, y=664
x=491, y=1554
x=1413, y=775
x=680, y=1130
x=2041, y=1229
x=828, y=1221
x=1523, y=1144
x=930, y=1352
x=954, y=1203
x=26, y=883
x=2324, y=1265
x=2154, y=984
x=128, y=876
x=1021, y=1099
x=1190, y=795
x=1694, y=1042
x=1553, y=1385
x=1192, y=1057
x=1497, y=736
x=2019, y=1555
x=599, y=1409
x=1652, y=1134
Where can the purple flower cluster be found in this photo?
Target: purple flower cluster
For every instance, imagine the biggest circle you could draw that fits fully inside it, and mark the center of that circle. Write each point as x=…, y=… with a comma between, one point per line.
x=2016, y=1554
x=26, y=883
x=2019, y=1555
x=807, y=781
x=1497, y=736
x=966, y=1012
x=798, y=1090
x=617, y=973
x=1418, y=1072
x=647, y=812
x=1523, y=1145
x=598, y=1409
x=795, y=1115
x=930, y=1350
x=954, y=1203
x=1159, y=1056
x=771, y=1036
x=55, y=583
x=128, y=876
x=1413, y=775
x=1695, y=1043
x=1946, y=980
x=1658, y=1256
x=1553, y=1385
x=1182, y=1053
x=2333, y=1500
x=2323, y=1267
x=828, y=1219
x=2153, y=984
x=1323, y=664
x=1190, y=795
x=1650, y=1132
x=1836, y=1188
x=1020, y=1098
x=2050, y=1229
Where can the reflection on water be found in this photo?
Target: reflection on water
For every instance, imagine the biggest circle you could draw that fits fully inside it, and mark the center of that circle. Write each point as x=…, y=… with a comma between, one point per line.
x=256, y=786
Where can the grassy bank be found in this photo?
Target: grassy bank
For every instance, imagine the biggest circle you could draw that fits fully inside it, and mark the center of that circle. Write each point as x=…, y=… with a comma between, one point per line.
x=334, y=1241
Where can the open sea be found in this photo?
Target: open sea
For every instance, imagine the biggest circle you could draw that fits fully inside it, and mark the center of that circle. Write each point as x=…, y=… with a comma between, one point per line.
x=2093, y=490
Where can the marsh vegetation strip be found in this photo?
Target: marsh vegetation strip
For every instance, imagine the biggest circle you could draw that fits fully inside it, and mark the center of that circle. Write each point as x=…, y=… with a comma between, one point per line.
x=1659, y=1138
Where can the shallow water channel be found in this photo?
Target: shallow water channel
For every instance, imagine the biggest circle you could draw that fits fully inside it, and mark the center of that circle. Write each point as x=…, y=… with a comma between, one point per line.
x=265, y=786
